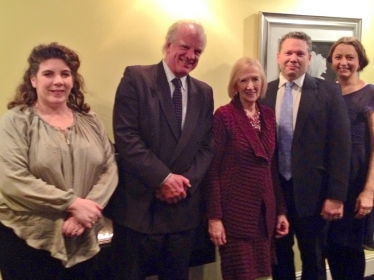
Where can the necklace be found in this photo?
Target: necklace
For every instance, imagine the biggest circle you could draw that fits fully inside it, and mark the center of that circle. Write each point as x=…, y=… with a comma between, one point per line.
x=63, y=132
x=255, y=119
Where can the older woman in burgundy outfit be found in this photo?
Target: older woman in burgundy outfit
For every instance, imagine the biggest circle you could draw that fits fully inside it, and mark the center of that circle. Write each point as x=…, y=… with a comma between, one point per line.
x=245, y=205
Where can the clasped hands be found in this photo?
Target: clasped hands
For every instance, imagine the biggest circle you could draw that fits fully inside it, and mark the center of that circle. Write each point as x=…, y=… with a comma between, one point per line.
x=174, y=189
x=84, y=214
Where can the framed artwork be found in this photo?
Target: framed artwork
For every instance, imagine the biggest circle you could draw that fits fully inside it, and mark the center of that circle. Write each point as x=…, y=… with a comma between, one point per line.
x=324, y=31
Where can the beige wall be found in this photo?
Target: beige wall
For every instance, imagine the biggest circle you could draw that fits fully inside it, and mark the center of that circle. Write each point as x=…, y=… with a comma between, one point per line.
x=110, y=34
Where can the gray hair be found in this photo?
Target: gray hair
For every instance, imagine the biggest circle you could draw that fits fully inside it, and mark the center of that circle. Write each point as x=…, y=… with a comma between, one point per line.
x=297, y=35
x=171, y=35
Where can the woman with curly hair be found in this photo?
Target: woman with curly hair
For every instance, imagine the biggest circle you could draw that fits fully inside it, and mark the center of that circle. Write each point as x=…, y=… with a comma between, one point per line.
x=57, y=172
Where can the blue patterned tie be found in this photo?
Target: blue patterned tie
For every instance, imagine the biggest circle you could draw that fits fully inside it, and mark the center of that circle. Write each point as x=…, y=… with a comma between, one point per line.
x=285, y=130
x=177, y=102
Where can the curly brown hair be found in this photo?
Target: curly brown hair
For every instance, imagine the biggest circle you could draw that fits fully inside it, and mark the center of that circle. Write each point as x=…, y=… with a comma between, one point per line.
x=26, y=94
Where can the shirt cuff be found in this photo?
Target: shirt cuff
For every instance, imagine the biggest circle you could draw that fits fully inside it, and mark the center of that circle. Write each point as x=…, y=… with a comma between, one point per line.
x=167, y=177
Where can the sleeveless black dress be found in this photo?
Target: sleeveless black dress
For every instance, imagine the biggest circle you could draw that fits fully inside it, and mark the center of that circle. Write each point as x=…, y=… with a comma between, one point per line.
x=351, y=232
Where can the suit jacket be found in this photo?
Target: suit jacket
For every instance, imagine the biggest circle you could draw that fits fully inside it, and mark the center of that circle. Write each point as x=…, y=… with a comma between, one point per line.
x=149, y=147
x=242, y=177
x=320, y=154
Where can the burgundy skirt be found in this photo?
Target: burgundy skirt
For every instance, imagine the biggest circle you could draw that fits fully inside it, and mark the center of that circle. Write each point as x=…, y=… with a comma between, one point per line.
x=246, y=259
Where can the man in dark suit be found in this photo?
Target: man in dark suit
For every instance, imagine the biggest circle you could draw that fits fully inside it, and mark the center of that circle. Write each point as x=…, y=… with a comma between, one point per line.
x=163, y=134
x=313, y=155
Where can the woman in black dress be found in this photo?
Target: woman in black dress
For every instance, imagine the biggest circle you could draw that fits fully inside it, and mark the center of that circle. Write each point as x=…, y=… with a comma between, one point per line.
x=349, y=236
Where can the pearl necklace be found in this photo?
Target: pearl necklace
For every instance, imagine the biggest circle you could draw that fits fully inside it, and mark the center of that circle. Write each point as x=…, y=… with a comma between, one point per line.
x=255, y=119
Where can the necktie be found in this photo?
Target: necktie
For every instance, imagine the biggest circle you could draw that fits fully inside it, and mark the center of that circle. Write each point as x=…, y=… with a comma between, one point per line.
x=285, y=130
x=177, y=102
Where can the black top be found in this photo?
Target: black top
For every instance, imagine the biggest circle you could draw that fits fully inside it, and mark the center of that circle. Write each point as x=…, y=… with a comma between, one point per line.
x=349, y=231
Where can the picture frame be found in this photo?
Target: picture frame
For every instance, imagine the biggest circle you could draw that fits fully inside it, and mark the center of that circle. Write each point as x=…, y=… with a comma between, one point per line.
x=323, y=30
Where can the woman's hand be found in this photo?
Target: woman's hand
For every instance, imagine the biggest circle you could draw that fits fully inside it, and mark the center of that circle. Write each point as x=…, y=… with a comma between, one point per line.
x=72, y=228
x=364, y=203
x=217, y=232
x=85, y=211
x=281, y=227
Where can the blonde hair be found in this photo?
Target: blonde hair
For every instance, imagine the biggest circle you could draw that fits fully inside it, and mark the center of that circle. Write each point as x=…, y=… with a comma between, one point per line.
x=237, y=71
x=296, y=35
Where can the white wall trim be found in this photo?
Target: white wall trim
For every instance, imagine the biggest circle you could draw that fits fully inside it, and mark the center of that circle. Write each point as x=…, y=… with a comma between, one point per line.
x=369, y=269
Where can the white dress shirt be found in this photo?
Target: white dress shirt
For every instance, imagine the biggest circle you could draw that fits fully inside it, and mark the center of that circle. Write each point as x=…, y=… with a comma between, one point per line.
x=170, y=76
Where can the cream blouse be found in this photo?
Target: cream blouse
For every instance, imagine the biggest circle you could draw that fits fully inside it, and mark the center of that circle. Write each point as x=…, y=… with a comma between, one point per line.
x=42, y=171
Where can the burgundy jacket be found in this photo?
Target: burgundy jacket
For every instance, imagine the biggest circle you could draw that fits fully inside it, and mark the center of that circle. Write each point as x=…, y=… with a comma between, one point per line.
x=242, y=175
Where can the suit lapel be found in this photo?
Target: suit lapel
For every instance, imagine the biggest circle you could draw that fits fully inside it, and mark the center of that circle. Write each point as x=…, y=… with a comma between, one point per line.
x=308, y=97
x=271, y=94
x=162, y=89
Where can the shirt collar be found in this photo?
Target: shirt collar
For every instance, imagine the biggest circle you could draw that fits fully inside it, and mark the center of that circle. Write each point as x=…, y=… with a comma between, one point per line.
x=299, y=81
x=170, y=76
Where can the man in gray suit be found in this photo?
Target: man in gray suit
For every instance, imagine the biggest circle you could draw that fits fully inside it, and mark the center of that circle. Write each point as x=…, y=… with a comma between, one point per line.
x=313, y=155
x=162, y=125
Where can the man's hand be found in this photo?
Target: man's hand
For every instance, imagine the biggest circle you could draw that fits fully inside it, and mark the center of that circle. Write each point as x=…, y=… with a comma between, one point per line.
x=332, y=209
x=217, y=232
x=282, y=226
x=173, y=189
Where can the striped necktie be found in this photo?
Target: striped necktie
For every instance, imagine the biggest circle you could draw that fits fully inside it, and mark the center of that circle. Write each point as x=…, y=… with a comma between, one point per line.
x=177, y=102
